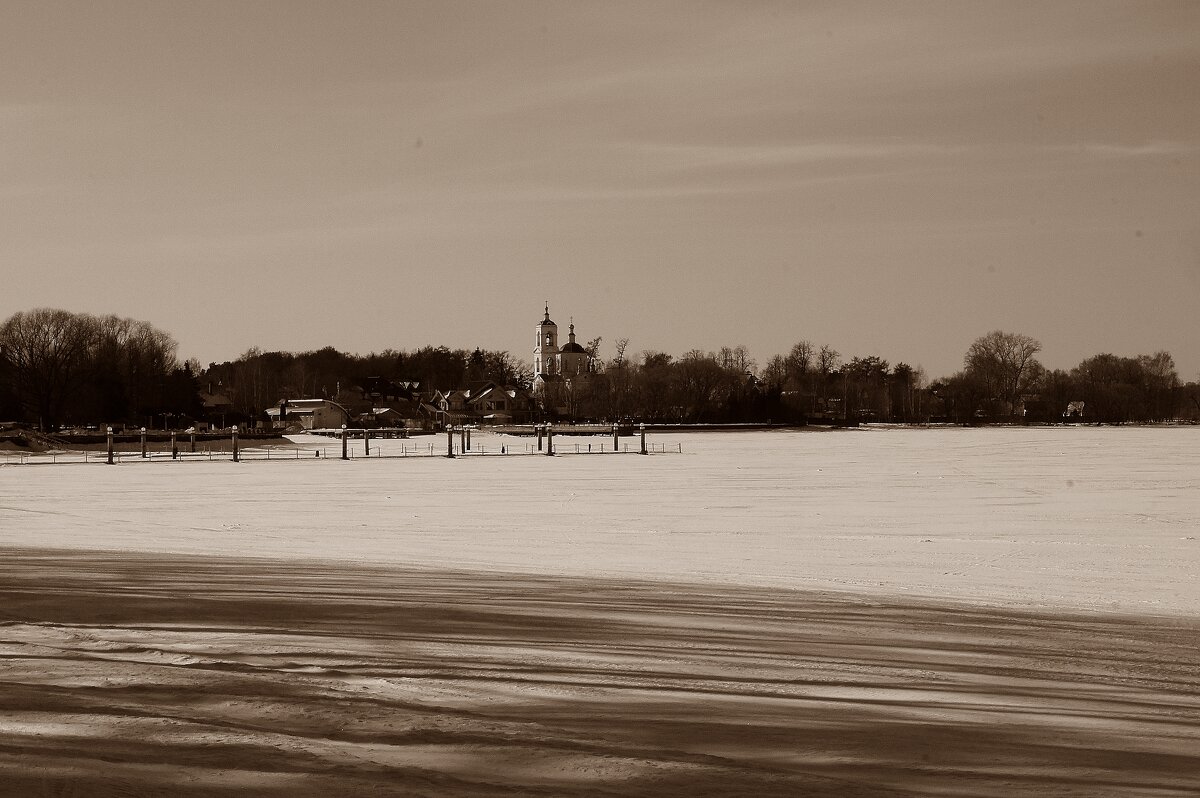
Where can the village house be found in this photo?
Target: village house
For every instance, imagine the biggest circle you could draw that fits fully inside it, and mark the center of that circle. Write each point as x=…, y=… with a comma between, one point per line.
x=485, y=403
x=379, y=402
x=218, y=409
x=307, y=414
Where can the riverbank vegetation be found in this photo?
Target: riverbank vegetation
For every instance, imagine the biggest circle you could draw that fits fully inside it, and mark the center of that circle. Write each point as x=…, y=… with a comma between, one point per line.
x=60, y=369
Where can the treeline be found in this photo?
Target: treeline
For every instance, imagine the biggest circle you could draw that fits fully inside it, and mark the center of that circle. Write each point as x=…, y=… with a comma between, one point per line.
x=1003, y=380
x=68, y=369
x=257, y=379
x=727, y=385
x=59, y=368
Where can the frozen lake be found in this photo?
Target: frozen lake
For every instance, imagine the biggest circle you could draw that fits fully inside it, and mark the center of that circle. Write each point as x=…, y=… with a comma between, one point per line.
x=1079, y=518
x=873, y=613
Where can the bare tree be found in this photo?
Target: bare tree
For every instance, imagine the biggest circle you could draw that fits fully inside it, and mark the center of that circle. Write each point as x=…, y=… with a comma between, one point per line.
x=1004, y=364
x=655, y=393
x=593, y=354
x=1161, y=382
x=736, y=359
x=249, y=389
x=700, y=379
x=621, y=345
x=142, y=355
x=46, y=351
x=799, y=363
x=296, y=379
x=774, y=374
x=828, y=360
x=619, y=380
x=742, y=360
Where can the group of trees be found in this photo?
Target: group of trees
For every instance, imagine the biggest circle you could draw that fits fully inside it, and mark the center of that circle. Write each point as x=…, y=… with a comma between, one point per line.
x=257, y=379
x=727, y=386
x=1002, y=379
x=698, y=386
x=61, y=368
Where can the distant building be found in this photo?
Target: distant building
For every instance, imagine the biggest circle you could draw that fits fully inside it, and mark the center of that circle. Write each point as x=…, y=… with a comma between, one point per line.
x=550, y=360
x=380, y=402
x=545, y=347
x=308, y=414
x=485, y=403
x=557, y=370
x=218, y=409
x=502, y=404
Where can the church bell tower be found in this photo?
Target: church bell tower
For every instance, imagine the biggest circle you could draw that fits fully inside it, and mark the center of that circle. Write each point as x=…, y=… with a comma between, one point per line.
x=545, y=350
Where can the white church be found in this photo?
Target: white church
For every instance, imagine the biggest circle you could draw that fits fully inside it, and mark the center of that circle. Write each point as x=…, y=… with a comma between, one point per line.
x=552, y=363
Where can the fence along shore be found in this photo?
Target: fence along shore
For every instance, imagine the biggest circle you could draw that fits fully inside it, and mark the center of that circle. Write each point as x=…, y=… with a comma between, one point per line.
x=354, y=444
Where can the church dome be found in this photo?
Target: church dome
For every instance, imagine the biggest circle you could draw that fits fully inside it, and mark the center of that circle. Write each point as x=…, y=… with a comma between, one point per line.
x=573, y=347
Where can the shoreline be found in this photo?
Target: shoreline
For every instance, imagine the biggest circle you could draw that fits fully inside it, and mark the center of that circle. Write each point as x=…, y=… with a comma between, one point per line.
x=32, y=442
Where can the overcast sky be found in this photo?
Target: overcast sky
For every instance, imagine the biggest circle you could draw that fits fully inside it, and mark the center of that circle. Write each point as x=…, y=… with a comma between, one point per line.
x=892, y=179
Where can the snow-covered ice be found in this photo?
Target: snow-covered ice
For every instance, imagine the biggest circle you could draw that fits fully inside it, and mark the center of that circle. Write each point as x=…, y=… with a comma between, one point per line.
x=1073, y=517
x=988, y=613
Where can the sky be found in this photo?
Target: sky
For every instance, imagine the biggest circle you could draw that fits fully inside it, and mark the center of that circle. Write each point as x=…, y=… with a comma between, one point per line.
x=890, y=179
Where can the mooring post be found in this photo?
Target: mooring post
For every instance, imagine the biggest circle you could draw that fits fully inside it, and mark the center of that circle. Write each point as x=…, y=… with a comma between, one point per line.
x=345, y=443
x=644, y=439
x=449, y=441
x=615, y=444
x=110, y=446
x=174, y=446
x=367, y=441
x=468, y=439
x=538, y=427
x=236, y=454
x=143, y=441
x=549, y=440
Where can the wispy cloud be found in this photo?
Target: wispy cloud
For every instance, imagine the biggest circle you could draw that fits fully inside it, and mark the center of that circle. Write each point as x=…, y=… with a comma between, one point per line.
x=1152, y=149
x=768, y=155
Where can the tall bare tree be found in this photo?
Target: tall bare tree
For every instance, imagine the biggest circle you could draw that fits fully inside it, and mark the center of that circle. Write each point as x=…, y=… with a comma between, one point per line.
x=1004, y=364
x=46, y=351
x=828, y=360
x=620, y=380
x=774, y=374
x=1161, y=383
x=798, y=363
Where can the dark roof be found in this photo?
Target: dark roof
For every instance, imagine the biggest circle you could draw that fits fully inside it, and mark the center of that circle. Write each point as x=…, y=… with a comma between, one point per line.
x=382, y=386
x=215, y=399
x=573, y=347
